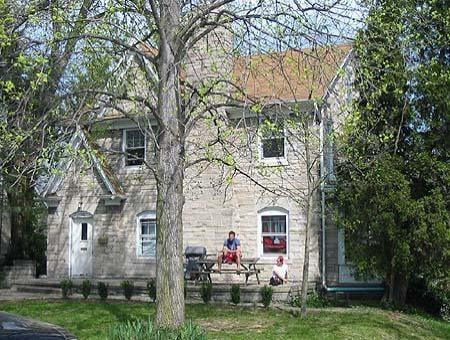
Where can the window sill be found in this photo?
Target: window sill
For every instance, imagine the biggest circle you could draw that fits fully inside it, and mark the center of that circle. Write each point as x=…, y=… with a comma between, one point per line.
x=133, y=168
x=141, y=259
x=273, y=161
x=269, y=259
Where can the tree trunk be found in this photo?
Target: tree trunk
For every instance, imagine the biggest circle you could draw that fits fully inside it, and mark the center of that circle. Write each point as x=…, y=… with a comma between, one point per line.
x=306, y=260
x=169, y=263
x=397, y=286
x=169, y=176
x=21, y=202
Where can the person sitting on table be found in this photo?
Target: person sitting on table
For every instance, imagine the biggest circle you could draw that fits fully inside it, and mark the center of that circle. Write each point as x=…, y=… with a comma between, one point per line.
x=231, y=251
x=279, y=272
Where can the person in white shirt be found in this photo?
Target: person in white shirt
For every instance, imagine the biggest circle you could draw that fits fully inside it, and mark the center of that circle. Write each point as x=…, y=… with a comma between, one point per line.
x=279, y=272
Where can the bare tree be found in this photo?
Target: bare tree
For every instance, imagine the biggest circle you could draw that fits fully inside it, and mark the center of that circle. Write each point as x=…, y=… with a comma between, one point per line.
x=177, y=95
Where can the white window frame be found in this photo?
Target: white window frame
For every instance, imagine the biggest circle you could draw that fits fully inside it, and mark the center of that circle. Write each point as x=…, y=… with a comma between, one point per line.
x=272, y=211
x=272, y=160
x=151, y=215
x=124, y=148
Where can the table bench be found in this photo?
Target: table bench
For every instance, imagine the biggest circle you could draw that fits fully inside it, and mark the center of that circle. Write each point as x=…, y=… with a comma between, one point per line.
x=208, y=266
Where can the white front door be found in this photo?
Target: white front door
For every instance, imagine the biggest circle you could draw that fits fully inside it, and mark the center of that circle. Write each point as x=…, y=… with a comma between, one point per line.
x=81, y=248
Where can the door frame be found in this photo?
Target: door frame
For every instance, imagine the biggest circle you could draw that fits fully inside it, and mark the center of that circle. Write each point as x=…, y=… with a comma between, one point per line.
x=84, y=216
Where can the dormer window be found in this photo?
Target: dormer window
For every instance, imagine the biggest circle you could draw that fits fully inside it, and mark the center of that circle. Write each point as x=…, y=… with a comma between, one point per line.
x=134, y=147
x=272, y=139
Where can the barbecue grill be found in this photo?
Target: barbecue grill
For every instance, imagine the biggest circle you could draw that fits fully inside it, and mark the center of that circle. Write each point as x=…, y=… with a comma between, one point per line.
x=193, y=255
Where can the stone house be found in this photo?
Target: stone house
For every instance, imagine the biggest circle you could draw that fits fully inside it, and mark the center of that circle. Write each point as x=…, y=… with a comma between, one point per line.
x=101, y=208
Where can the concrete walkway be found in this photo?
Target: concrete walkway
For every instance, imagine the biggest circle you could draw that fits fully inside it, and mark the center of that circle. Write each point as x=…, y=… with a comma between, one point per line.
x=13, y=295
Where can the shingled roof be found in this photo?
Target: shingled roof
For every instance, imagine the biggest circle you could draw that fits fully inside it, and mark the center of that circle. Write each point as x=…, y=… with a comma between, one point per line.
x=293, y=75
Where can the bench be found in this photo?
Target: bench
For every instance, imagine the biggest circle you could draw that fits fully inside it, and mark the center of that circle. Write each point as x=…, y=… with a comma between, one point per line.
x=208, y=266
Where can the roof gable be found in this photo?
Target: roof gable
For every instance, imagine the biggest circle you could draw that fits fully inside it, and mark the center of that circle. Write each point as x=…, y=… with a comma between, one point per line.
x=101, y=166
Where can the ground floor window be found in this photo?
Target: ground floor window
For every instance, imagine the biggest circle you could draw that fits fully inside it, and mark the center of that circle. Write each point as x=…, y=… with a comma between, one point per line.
x=146, y=235
x=273, y=225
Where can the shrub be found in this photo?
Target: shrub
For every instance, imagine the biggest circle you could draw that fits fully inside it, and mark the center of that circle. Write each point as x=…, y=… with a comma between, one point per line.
x=317, y=300
x=235, y=294
x=102, y=290
x=66, y=288
x=86, y=288
x=266, y=295
x=295, y=300
x=433, y=298
x=151, y=289
x=139, y=329
x=206, y=291
x=128, y=289
x=444, y=312
x=314, y=300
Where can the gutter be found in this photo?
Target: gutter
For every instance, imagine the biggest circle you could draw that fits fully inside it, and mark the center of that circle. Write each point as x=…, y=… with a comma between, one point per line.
x=354, y=289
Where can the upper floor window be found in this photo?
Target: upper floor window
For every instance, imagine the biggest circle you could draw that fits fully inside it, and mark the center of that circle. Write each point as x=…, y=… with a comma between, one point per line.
x=146, y=234
x=272, y=139
x=273, y=231
x=134, y=147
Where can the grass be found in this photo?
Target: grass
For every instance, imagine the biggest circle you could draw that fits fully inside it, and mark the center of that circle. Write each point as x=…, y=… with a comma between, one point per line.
x=91, y=319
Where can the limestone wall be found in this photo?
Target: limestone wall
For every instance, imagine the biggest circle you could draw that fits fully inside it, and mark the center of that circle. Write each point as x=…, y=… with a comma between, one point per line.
x=211, y=210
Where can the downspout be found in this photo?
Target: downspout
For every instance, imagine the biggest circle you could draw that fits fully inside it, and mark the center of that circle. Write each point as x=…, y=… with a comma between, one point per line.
x=322, y=193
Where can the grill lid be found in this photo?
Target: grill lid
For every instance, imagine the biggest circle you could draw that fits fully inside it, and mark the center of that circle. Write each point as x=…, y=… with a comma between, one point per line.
x=195, y=251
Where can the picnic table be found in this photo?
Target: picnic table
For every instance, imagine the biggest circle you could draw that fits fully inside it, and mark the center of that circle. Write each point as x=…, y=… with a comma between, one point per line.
x=208, y=266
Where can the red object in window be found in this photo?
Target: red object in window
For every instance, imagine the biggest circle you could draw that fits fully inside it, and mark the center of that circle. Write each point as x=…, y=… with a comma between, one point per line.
x=270, y=245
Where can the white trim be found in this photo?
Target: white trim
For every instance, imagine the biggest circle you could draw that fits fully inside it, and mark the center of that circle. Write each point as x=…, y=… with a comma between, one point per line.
x=235, y=112
x=124, y=147
x=143, y=215
x=51, y=202
x=112, y=200
x=337, y=75
x=120, y=123
x=272, y=211
x=70, y=246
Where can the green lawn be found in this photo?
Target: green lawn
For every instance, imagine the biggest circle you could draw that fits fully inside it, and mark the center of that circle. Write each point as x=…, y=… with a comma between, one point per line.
x=91, y=319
